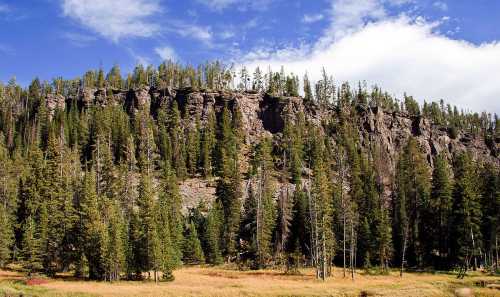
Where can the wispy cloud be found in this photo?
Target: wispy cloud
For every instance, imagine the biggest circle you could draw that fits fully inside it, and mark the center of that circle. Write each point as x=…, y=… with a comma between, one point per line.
x=312, y=18
x=440, y=5
x=115, y=19
x=188, y=30
x=227, y=34
x=166, y=53
x=219, y=5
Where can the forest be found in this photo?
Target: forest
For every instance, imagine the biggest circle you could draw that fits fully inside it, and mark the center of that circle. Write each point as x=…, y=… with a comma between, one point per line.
x=94, y=189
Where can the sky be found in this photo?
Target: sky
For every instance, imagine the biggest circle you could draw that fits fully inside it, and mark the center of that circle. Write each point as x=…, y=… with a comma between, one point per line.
x=430, y=49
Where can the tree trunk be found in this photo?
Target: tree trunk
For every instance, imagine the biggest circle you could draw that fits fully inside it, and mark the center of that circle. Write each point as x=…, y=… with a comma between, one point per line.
x=496, y=251
x=351, y=254
x=404, y=250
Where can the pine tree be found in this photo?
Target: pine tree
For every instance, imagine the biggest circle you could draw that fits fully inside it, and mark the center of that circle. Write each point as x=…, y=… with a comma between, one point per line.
x=229, y=185
x=213, y=234
x=92, y=227
x=490, y=204
x=299, y=239
x=265, y=215
x=412, y=197
x=440, y=210
x=173, y=201
x=100, y=79
x=31, y=250
x=177, y=142
x=368, y=211
x=321, y=208
x=149, y=241
x=208, y=144
x=467, y=215
x=258, y=84
x=6, y=236
x=168, y=250
x=193, y=148
x=115, y=247
x=8, y=203
x=193, y=253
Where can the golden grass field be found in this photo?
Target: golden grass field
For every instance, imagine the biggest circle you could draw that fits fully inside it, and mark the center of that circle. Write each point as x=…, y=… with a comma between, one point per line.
x=209, y=281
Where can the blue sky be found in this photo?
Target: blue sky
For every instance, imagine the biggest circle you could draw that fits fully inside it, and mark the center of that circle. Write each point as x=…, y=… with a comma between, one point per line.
x=419, y=46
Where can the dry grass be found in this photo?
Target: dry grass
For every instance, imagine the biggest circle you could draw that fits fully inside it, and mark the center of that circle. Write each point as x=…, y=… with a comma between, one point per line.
x=203, y=281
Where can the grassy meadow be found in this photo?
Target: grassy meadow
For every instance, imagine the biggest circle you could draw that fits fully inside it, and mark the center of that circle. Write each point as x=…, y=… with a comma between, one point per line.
x=221, y=282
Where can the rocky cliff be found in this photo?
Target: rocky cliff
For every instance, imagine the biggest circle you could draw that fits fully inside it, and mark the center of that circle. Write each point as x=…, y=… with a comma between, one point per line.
x=266, y=114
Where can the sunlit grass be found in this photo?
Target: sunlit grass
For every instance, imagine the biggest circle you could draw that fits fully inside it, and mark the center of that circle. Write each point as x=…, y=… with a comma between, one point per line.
x=222, y=282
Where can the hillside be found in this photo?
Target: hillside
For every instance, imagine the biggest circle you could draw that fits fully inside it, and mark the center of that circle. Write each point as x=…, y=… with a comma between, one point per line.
x=265, y=114
x=113, y=178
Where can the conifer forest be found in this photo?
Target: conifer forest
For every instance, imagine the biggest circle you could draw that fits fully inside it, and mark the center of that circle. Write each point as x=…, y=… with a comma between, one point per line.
x=113, y=176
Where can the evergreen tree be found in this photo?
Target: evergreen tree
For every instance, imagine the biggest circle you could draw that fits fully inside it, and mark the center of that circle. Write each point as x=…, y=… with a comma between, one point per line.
x=172, y=205
x=265, y=215
x=308, y=96
x=258, y=84
x=321, y=208
x=213, y=234
x=193, y=148
x=92, y=227
x=149, y=240
x=193, y=253
x=208, y=144
x=411, y=201
x=229, y=185
x=440, y=210
x=177, y=142
x=115, y=242
x=31, y=251
x=490, y=204
x=6, y=236
x=467, y=215
x=169, y=256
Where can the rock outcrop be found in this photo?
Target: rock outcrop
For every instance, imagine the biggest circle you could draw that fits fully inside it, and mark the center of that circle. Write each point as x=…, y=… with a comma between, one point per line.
x=265, y=114
x=54, y=102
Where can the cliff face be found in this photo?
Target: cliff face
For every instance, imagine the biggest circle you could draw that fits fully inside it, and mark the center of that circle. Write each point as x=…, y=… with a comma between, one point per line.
x=264, y=114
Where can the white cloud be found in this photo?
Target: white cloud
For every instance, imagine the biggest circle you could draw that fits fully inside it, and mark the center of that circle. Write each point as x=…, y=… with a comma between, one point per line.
x=348, y=16
x=219, y=5
x=166, y=53
x=440, y=5
x=312, y=18
x=400, y=55
x=114, y=19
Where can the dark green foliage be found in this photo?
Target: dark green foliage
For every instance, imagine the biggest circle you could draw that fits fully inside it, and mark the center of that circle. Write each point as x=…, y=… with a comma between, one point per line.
x=213, y=234
x=440, y=207
x=467, y=213
x=229, y=185
x=208, y=145
x=95, y=186
x=410, y=204
x=490, y=205
x=260, y=208
x=6, y=236
x=32, y=249
x=192, y=251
